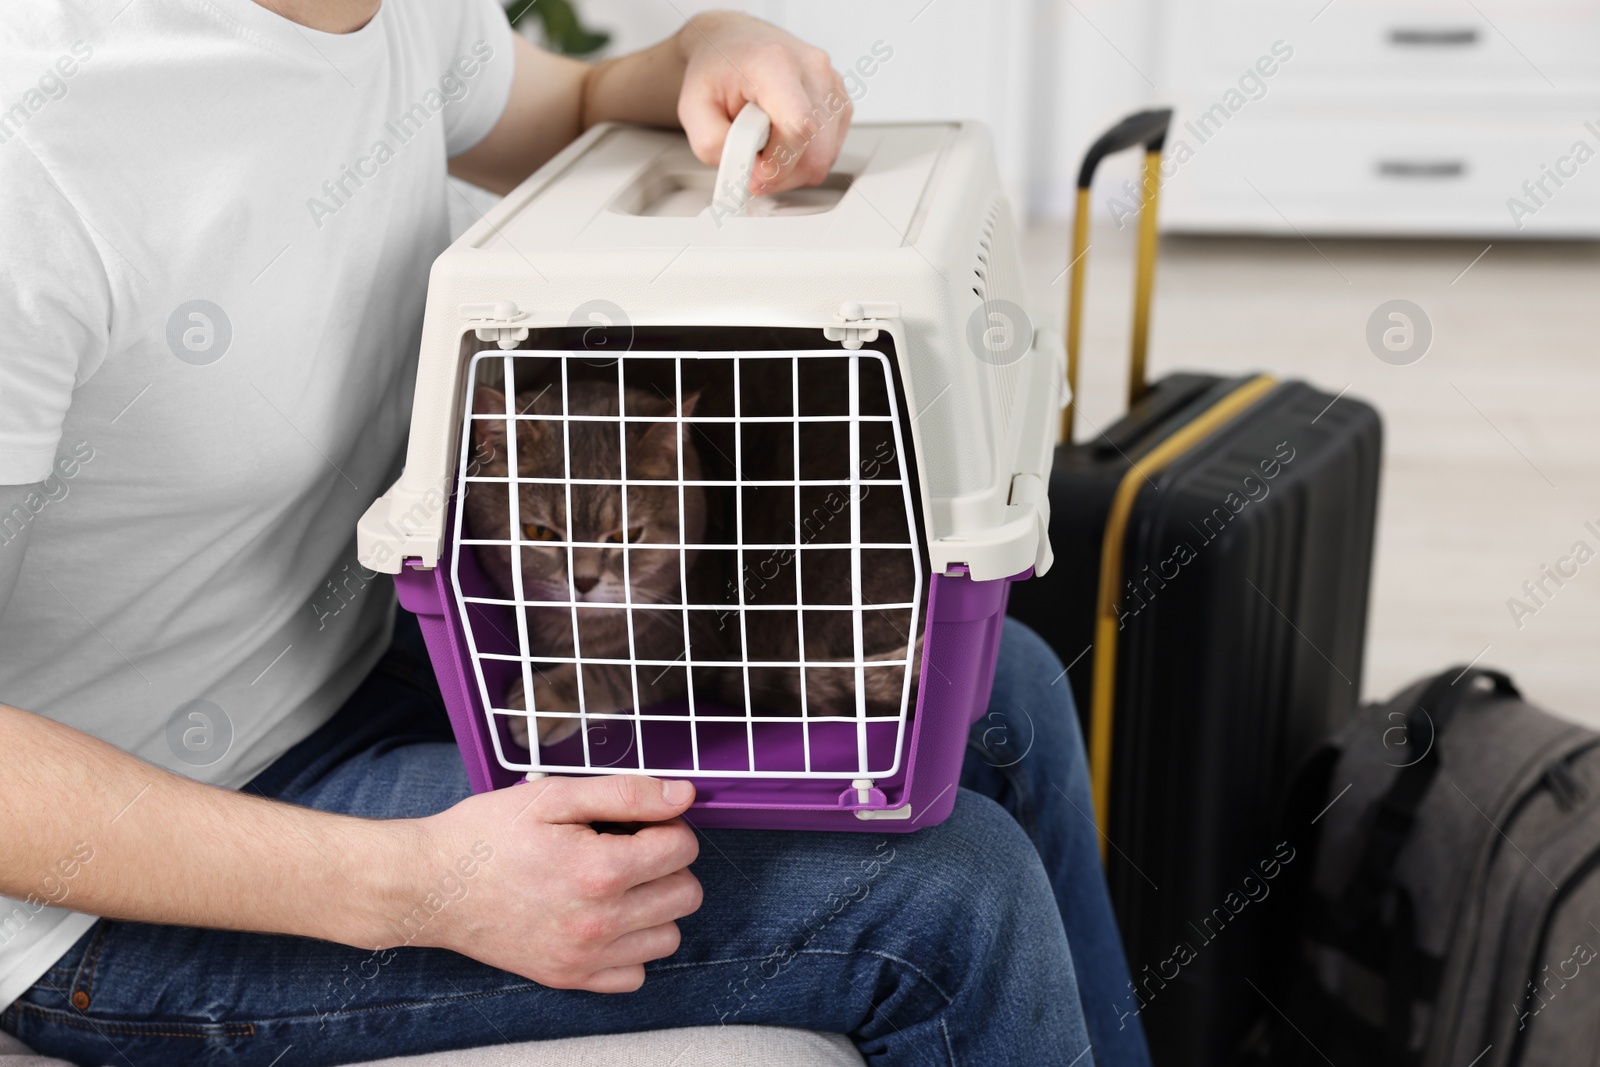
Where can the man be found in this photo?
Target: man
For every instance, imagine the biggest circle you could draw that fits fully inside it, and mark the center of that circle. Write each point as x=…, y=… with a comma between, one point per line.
x=217, y=225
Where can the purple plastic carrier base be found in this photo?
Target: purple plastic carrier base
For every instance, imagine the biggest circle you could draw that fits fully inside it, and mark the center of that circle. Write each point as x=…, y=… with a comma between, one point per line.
x=962, y=638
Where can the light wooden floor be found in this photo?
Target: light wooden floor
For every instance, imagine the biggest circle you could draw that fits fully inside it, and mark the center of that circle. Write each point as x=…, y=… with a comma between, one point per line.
x=1492, y=449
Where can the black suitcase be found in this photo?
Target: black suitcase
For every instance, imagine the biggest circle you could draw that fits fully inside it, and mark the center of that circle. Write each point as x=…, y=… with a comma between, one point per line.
x=1212, y=556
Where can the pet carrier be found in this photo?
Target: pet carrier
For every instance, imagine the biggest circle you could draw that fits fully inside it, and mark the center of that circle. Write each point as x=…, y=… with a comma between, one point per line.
x=728, y=489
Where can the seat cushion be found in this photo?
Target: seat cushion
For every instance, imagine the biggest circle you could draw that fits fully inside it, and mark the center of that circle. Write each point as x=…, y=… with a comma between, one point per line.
x=698, y=1046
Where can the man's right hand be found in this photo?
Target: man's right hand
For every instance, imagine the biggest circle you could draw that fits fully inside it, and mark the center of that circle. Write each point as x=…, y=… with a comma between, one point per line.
x=550, y=898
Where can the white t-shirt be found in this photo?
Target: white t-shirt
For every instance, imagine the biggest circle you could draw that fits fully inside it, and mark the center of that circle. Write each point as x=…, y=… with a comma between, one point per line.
x=215, y=234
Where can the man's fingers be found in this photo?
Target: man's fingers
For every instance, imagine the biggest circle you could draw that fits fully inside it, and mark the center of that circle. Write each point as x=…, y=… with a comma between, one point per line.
x=823, y=151
x=649, y=853
x=704, y=112
x=664, y=900
x=610, y=798
x=640, y=947
x=615, y=980
x=796, y=121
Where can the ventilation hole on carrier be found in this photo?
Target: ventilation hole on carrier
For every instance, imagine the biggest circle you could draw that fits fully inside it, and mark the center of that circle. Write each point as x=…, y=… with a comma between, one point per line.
x=888, y=629
x=765, y=388
x=883, y=517
x=713, y=443
x=879, y=457
x=723, y=746
x=825, y=514
x=712, y=379
x=589, y=395
x=825, y=576
x=650, y=386
x=653, y=516
x=775, y=691
x=771, y=635
x=885, y=686
x=824, y=386
x=664, y=688
x=825, y=451
x=767, y=451
x=768, y=517
x=537, y=381
x=874, y=398
x=596, y=511
x=779, y=746
x=653, y=575
x=607, y=688
x=769, y=576
x=714, y=636
x=652, y=454
x=718, y=691
x=715, y=580
x=658, y=636
x=831, y=692
x=600, y=628
x=594, y=450
x=830, y=635
x=885, y=579
x=557, y=728
x=503, y=725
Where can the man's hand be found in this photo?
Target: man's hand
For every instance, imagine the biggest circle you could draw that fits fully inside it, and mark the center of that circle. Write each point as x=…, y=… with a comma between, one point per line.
x=550, y=898
x=733, y=60
x=699, y=78
x=515, y=878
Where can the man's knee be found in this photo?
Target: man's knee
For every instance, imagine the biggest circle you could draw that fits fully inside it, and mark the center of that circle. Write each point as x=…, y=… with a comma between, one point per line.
x=980, y=863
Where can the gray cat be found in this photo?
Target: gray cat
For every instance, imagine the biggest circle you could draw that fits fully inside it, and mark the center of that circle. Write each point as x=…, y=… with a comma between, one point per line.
x=655, y=576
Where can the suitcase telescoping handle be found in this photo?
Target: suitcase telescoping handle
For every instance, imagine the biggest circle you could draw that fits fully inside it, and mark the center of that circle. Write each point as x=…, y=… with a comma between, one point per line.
x=1147, y=128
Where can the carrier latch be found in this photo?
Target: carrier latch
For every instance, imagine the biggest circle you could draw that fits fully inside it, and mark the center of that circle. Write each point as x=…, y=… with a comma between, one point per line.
x=496, y=322
x=859, y=322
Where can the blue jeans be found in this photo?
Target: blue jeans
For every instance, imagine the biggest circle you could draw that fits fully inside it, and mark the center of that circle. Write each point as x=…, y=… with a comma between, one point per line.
x=939, y=947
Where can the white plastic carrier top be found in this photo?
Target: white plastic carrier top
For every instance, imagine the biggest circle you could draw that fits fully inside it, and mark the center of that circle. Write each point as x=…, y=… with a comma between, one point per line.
x=909, y=236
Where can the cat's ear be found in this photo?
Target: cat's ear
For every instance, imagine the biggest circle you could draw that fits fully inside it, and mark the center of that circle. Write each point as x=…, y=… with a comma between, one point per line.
x=660, y=433
x=489, y=434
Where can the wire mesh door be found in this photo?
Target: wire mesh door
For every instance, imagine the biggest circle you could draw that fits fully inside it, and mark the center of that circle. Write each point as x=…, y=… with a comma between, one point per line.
x=696, y=562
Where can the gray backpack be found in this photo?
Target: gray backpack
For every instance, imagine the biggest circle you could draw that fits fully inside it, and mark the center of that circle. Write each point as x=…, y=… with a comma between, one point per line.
x=1452, y=915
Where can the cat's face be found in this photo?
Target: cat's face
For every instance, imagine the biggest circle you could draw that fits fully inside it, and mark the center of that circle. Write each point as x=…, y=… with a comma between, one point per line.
x=550, y=514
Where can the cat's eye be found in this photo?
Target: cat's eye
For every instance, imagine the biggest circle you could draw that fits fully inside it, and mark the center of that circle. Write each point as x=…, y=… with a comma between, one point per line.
x=536, y=531
x=635, y=536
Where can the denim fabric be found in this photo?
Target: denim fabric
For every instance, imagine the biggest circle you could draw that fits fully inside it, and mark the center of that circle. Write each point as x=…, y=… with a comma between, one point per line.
x=941, y=947
x=1027, y=753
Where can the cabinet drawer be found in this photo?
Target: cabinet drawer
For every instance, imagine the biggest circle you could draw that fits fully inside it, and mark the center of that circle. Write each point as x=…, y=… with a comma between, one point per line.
x=1504, y=41
x=1386, y=171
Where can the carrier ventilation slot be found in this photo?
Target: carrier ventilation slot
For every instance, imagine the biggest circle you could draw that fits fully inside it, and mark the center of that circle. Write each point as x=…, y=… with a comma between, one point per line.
x=985, y=251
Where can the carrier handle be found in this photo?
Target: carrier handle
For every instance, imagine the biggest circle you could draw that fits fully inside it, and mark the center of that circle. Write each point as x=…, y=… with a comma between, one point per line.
x=1147, y=128
x=746, y=138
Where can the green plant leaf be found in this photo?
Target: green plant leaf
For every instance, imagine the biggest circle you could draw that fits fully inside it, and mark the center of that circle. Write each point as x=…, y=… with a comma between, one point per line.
x=562, y=27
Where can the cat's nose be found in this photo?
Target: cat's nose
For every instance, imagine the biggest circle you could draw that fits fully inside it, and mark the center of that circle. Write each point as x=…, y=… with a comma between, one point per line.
x=586, y=582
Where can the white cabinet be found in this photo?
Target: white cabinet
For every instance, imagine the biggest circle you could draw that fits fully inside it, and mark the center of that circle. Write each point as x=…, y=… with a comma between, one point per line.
x=1383, y=116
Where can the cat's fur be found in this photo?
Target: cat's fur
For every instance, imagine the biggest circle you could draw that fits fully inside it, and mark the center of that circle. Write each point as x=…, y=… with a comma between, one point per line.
x=652, y=455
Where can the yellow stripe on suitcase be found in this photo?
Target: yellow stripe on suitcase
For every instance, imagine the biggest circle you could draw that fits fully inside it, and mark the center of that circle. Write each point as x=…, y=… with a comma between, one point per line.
x=1103, y=699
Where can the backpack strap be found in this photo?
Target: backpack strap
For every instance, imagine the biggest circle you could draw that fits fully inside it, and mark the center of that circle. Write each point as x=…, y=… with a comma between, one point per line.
x=1396, y=811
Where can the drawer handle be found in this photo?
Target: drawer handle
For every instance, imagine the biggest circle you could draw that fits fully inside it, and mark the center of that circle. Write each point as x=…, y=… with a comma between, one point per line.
x=1433, y=37
x=1427, y=169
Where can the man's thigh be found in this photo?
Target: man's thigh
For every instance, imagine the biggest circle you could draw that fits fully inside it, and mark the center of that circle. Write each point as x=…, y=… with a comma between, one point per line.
x=913, y=944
